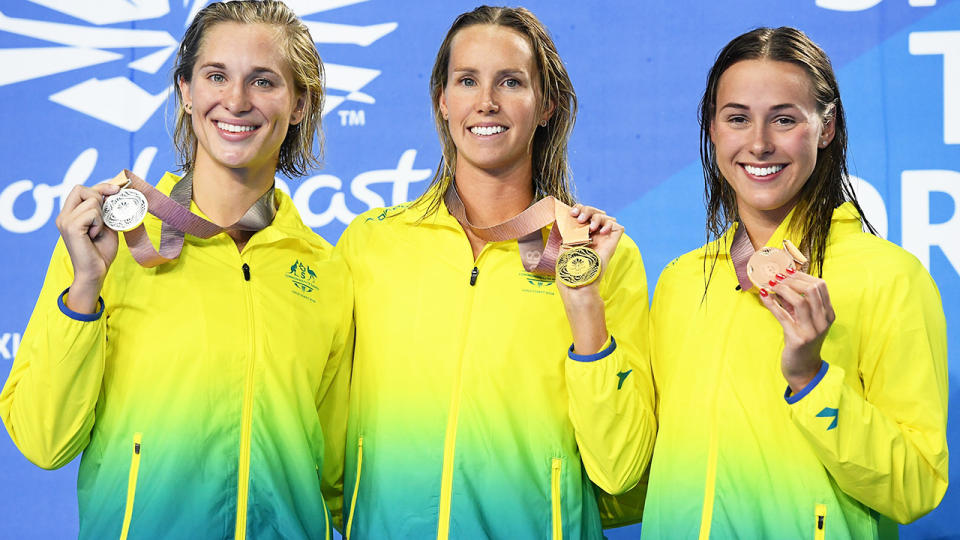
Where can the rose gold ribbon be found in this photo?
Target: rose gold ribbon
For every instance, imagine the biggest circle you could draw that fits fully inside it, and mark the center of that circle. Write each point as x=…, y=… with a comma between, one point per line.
x=174, y=212
x=537, y=257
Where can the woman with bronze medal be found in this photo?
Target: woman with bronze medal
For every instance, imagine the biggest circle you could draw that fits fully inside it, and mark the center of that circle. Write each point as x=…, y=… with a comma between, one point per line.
x=802, y=386
x=472, y=415
x=205, y=384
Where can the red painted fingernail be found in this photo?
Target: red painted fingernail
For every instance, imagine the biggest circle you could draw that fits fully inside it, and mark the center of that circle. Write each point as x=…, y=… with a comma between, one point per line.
x=781, y=277
x=763, y=292
x=772, y=283
x=790, y=270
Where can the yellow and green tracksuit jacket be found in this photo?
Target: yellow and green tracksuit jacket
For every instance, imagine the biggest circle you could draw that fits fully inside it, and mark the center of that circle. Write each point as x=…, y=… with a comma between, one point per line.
x=470, y=417
x=737, y=457
x=208, y=395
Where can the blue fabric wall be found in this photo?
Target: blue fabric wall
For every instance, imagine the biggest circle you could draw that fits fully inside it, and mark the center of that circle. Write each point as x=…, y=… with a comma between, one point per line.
x=83, y=90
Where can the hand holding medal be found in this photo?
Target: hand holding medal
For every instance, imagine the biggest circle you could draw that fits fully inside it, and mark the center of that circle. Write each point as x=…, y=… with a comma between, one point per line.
x=580, y=265
x=92, y=246
x=802, y=307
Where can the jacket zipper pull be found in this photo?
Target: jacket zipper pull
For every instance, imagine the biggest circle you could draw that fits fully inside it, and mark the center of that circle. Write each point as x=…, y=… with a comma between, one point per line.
x=473, y=276
x=246, y=271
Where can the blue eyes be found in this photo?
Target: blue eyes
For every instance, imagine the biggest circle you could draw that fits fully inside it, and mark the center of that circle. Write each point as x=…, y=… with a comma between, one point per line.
x=509, y=83
x=219, y=78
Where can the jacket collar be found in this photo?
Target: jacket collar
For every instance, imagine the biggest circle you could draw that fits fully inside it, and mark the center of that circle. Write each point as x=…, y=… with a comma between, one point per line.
x=735, y=245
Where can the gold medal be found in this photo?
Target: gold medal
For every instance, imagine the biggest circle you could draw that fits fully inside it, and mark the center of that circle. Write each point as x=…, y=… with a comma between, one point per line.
x=578, y=267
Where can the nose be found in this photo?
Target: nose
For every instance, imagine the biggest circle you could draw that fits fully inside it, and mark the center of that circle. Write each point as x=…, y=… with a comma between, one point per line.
x=235, y=98
x=762, y=144
x=488, y=103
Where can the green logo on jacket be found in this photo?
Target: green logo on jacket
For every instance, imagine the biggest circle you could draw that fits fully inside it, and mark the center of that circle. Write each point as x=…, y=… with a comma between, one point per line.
x=303, y=278
x=537, y=284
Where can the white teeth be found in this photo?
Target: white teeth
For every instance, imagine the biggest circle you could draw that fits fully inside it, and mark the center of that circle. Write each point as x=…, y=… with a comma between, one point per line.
x=763, y=171
x=232, y=128
x=487, y=130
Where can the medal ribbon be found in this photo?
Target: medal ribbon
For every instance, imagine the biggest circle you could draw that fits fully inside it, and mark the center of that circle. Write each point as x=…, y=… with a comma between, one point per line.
x=525, y=228
x=174, y=212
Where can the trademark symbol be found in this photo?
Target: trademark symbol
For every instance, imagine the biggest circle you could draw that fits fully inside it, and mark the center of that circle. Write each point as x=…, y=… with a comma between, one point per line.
x=352, y=118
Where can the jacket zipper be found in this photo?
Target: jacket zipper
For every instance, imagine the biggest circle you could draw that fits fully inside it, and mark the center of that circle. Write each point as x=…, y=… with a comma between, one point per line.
x=356, y=487
x=819, y=531
x=555, y=498
x=326, y=513
x=450, y=439
x=243, y=468
x=131, y=485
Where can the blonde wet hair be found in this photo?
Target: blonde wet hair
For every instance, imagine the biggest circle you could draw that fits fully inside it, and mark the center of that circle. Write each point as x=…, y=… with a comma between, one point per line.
x=297, y=156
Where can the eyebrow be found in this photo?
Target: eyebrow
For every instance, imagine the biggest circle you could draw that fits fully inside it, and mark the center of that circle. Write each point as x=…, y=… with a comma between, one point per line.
x=221, y=65
x=500, y=73
x=740, y=106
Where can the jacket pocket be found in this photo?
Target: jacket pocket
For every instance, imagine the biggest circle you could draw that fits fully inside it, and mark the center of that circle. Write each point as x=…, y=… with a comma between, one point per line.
x=131, y=485
x=820, y=526
x=356, y=487
x=555, y=471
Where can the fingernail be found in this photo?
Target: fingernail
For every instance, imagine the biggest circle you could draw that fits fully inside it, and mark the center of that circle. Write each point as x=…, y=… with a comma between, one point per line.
x=772, y=283
x=790, y=270
x=764, y=293
x=781, y=277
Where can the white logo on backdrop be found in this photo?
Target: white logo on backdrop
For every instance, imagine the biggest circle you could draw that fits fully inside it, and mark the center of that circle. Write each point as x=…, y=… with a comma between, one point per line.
x=123, y=103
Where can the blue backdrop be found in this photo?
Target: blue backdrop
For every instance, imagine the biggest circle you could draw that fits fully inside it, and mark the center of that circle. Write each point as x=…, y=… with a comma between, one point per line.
x=84, y=87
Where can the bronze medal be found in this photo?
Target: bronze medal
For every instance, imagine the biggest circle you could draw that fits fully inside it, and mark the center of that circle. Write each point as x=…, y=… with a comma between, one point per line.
x=578, y=267
x=767, y=262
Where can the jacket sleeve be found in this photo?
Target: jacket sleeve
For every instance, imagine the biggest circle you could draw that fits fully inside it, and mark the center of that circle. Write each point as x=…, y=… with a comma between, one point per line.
x=611, y=397
x=333, y=403
x=885, y=443
x=48, y=401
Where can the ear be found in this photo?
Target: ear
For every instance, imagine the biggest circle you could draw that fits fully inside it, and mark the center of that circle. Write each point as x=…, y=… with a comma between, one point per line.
x=548, y=112
x=298, y=110
x=713, y=133
x=829, y=128
x=442, y=102
x=184, y=87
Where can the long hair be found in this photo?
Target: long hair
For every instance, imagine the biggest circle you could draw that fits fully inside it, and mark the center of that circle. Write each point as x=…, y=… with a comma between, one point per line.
x=551, y=168
x=296, y=152
x=828, y=186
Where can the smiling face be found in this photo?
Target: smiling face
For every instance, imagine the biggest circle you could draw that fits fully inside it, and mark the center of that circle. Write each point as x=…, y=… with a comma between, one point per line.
x=767, y=131
x=242, y=96
x=492, y=100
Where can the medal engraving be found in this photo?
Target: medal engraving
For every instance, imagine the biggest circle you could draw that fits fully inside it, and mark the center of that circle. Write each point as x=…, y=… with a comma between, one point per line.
x=578, y=267
x=767, y=262
x=125, y=210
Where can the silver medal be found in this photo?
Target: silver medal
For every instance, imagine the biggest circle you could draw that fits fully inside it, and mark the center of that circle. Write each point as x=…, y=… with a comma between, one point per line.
x=124, y=210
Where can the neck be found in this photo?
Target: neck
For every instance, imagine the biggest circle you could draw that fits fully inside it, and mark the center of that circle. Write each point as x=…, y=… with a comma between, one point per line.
x=223, y=194
x=761, y=224
x=492, y=198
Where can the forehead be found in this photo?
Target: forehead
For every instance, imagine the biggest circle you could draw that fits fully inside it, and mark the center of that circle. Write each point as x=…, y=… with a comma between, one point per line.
x=490, y=46
x=234, y=42
x=765, y=83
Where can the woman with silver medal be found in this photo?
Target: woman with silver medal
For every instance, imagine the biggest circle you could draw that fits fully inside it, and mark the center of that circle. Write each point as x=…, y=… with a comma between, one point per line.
x=205, y=384
x=472, y=414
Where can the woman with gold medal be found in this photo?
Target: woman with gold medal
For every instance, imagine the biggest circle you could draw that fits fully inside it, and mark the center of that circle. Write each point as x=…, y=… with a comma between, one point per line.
x=207, y=393
x=489, y=399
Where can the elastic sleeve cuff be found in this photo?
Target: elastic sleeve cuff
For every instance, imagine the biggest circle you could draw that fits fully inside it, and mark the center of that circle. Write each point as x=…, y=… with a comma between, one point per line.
x=605, y=352
x=83, y=317
x=808, y=388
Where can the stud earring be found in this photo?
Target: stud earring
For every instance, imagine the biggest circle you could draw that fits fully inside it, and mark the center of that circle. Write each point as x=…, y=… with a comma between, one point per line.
x=543, y=124
x=188, y=107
